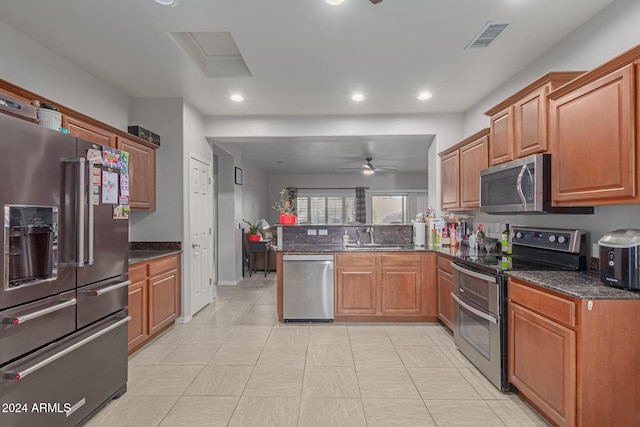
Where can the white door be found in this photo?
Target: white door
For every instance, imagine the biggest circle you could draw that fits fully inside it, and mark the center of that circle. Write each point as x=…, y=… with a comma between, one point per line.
x=201, y=226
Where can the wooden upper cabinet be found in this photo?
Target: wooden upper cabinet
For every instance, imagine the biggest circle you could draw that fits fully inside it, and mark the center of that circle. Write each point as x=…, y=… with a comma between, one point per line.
x=450, y=180
x=473, y=158
x=501, y=149
x=593, y=138
x=460, y=168
x=88, y=131
x=142, y=174
x=519, y=125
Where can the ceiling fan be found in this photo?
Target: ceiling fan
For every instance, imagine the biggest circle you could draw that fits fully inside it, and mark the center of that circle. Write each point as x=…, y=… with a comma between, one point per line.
x=369, y=169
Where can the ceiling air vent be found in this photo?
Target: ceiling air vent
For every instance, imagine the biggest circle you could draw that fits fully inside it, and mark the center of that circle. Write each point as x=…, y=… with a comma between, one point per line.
x=487, y=34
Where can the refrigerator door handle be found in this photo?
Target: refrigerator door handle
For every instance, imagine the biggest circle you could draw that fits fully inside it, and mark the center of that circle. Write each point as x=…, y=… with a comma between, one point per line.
x=81, y=202
x=89, y=260
x=107, y=289
x=19, y=320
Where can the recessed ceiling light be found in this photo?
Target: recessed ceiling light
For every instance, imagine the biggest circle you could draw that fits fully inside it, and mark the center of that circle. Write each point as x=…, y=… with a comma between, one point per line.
x=334, y=2
x=236, y=97
x=357, y=97
x=167, y=2
x=424, y=95
x=368, y=172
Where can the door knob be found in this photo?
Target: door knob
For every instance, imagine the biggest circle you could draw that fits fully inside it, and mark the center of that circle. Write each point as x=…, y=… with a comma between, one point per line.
x=194, y=246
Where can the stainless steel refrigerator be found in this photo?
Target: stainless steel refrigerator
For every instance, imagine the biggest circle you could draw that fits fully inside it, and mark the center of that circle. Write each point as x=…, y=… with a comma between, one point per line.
x=64, y=287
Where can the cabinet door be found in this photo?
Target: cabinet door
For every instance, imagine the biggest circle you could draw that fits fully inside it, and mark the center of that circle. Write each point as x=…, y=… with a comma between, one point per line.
x=445, y=301
x=473, y=158
x=138, y=310
x=401, y=290
x=356, y=290
x=88, y=132
x=163, y=303
x=142, y=174
x=449, y=180
x=593, y=143
x=530, y=124
x=542, y=363
x=501, y=147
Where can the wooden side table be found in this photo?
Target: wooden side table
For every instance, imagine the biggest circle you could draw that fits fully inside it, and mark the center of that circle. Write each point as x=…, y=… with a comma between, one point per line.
x=256, y=247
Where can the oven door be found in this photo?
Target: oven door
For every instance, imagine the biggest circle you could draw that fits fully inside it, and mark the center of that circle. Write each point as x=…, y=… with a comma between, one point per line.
x=477, y=322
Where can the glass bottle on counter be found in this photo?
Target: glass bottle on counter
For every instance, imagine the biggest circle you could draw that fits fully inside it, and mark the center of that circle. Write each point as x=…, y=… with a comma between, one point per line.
x=480, y=235
x=506, y=243
x=453, y=241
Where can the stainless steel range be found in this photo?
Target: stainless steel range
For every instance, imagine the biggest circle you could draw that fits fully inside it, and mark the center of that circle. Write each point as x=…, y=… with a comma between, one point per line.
x=480, y=292
x=63, y=278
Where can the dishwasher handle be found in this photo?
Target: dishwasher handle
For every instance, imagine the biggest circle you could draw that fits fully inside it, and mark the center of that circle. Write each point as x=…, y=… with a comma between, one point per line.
x=307, y=257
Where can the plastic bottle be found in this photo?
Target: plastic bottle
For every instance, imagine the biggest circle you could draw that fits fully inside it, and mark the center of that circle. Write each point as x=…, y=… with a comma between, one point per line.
x=345, y=239
x=506, y=243
x=452, y=236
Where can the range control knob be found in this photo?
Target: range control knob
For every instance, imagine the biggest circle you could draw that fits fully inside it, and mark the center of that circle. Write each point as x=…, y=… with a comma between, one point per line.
x=561, y=239
x=552, y=238
x=519, y=235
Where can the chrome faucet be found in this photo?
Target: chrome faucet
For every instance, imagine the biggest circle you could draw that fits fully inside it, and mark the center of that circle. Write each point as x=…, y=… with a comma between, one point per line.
x=370, y=231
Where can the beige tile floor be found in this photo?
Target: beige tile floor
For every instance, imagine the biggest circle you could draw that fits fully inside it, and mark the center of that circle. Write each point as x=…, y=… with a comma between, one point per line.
x=235, y=365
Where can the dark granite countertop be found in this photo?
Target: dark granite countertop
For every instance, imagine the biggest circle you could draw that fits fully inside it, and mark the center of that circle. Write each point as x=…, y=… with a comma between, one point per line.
x=580, y=285
x=143, y=255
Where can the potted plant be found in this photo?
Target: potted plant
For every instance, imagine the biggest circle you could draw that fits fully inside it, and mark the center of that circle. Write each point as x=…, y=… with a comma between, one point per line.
x=254, y=231
x=287, y=208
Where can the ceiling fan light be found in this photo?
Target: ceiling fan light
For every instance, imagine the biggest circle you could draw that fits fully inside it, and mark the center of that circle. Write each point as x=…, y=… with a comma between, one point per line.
x=368, y=172
x=334, y=2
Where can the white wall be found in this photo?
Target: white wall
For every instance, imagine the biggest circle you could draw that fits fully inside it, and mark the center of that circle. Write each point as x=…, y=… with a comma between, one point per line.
x=255, y=200
x=163, y=116
x=613, y=31
x=32, y=66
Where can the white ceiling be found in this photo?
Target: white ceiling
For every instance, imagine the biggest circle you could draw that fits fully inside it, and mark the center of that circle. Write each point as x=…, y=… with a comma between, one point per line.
x=304, y=56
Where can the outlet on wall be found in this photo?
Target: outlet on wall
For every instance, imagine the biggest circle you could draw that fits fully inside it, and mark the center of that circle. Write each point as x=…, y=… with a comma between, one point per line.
x=595, y=250
x=323, y=232
x=311, y=232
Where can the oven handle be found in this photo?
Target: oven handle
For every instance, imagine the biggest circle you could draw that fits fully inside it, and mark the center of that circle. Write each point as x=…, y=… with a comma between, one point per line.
x=19, y=320
x=468, y=272
x=98, y=292
x=19, y=374
x=474, y=310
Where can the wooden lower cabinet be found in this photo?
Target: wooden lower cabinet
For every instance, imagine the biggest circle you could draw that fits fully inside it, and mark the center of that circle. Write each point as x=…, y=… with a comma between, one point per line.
x=574, y=360
x=389, y=286
x=445, y=287
x=154, y=298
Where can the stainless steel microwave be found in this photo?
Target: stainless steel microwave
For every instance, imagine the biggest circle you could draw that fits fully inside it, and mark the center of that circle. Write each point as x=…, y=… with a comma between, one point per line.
x=521, y=186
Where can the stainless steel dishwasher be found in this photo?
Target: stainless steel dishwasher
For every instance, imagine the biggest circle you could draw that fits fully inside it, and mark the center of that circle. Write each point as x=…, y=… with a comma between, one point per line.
x=307, y=288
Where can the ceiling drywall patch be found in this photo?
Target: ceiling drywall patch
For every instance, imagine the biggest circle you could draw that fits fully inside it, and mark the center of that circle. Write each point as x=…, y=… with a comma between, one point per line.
x=215, y=52
x=488, y=34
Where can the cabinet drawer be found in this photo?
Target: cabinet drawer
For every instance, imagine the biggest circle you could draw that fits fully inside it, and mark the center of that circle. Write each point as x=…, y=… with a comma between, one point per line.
x=401, y=259
x=554, y=307
x=444, y=263
x=162, y=265
x=137, y=272
x=355, y=259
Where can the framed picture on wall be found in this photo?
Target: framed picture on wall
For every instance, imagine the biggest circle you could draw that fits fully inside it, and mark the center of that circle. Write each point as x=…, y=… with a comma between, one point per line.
x=238, y=179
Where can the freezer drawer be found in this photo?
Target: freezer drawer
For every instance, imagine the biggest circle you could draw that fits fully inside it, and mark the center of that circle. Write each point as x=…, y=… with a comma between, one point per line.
x=307, y=293
x=29, y=326
x=66, y=382
x=102, y=299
